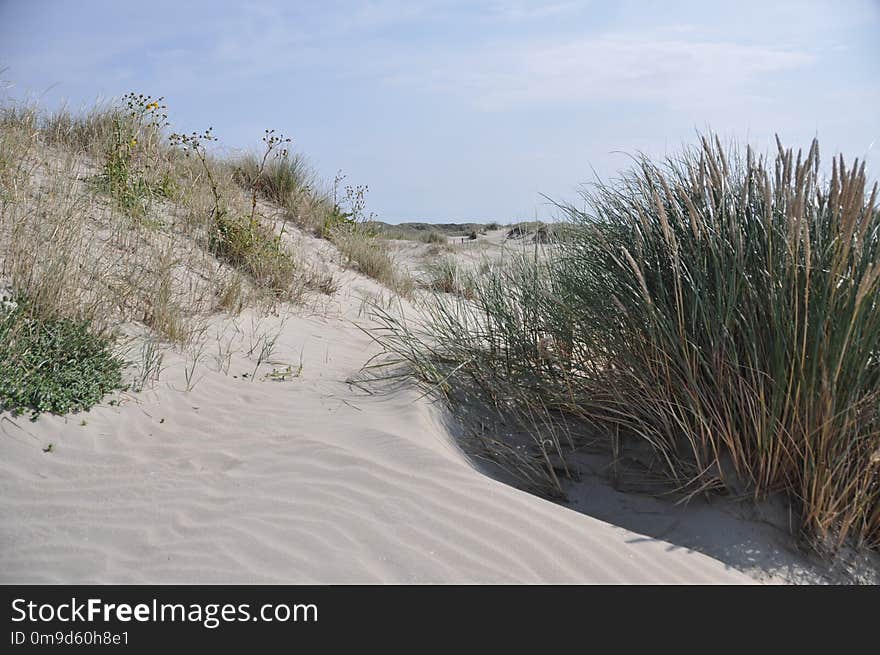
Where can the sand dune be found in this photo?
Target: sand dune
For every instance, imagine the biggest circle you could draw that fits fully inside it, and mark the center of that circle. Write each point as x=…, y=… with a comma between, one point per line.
x=307, y=480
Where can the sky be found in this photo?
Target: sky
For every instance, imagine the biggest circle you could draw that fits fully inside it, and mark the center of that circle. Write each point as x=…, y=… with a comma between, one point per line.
x=466, y=111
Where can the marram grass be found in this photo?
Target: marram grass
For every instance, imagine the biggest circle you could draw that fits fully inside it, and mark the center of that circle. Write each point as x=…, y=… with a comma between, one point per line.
x=722, y=307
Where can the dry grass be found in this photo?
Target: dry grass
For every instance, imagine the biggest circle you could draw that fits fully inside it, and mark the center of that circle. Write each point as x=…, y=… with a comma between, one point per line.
x=288, y=182
x=339, y=216
x=74, y=254
x=405, y=233
x=446, y=275
x=373, y=258
x=148, y=247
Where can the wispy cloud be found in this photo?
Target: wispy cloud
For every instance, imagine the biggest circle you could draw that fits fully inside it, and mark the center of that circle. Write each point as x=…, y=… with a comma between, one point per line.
x=614, y=66
x=527, y=11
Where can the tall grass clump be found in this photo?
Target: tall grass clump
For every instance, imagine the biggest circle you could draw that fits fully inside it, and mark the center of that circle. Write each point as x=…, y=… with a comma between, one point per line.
x=447, y=276
x=736, y=304
x=91, y=132
x=720, y=307
x=289, y=182
x=284, y=180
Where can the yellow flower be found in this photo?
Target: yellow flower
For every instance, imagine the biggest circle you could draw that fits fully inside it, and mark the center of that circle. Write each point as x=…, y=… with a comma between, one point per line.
x=134, y=142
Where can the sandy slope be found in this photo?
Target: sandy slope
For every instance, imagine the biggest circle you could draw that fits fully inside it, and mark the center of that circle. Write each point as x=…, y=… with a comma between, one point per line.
x=306, y=480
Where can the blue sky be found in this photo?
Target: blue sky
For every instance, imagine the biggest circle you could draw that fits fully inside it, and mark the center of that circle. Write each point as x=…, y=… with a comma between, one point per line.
x=455, y=111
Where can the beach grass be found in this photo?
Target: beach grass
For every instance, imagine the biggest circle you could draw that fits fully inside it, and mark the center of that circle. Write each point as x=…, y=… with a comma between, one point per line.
x=719, y=308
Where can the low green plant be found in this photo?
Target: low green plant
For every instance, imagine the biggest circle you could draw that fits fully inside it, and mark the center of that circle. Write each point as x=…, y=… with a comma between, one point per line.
x=251, y=246
x=55, y=365
x=336, y=220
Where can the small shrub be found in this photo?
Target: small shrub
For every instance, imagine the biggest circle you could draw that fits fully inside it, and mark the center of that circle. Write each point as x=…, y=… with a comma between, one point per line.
x=348, y=215
x=55, y=365
x=336, y=221
x=251, y=246
x=127, y=173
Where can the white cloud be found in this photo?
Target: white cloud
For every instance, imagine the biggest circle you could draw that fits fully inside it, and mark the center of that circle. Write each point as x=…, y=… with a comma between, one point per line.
x=615, y=66
x=528, y=11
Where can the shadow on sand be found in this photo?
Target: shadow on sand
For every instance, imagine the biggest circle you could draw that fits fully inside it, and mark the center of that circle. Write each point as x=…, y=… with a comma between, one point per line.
x=757, y=538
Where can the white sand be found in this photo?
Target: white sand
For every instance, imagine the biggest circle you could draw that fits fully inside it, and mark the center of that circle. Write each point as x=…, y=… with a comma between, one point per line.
x=307, y=480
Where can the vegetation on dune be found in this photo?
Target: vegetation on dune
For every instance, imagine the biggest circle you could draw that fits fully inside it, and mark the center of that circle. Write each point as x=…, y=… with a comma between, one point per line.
x=340, y=216
x=353, y=231
x=373, y=258
x=404, y=233
x=447, y=276
x=432, y=233
x=131, y=172
x=288, y=182
x=245, y=241
x=108, y=218
x=720, y=308
x=51, y=364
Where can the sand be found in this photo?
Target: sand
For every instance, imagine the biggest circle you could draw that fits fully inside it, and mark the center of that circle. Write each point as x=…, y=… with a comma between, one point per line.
x=306, y=479
x=246, y=464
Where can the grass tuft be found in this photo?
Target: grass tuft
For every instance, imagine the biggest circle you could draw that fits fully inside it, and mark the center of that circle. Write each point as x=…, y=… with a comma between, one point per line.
x=372, y=257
